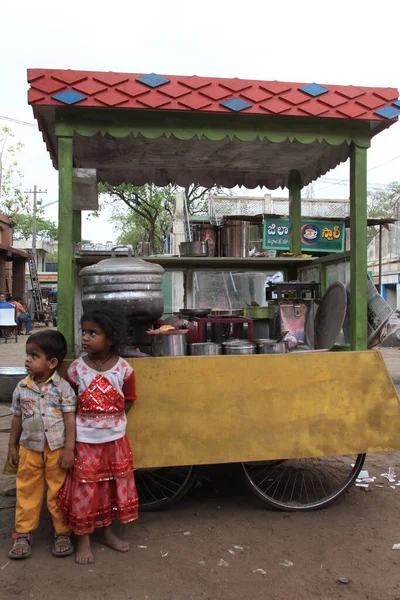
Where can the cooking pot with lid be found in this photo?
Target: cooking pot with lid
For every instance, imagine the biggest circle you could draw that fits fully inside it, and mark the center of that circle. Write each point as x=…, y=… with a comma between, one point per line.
x=126, y=284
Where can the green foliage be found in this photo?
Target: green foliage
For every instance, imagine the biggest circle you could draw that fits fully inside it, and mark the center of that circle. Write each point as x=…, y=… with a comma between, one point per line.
x=12, y=199
x=151, y=210
x=383, y=203
x=22, y=228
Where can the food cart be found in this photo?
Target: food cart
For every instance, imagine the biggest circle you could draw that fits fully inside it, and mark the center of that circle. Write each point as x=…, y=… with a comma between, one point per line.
x=300, y=424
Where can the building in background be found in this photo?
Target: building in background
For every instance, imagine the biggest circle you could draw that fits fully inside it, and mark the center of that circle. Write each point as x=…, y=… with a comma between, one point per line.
x=390, y=279
x=46, y=267
x=12, y=261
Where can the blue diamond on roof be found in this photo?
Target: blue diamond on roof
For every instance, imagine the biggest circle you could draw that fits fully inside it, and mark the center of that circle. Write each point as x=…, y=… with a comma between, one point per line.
x=388, y=112
x=152, y=80
x=314, y=89
x=397, y=103
x=236, y=104
x=69, y=97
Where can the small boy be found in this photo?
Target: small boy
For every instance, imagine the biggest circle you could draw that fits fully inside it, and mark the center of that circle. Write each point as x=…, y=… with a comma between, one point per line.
x=43, y=425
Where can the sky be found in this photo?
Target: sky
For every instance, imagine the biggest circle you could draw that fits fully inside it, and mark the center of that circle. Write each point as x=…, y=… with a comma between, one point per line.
x=343, y=42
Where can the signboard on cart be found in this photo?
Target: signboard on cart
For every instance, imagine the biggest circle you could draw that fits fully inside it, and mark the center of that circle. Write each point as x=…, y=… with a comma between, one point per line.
x=316, y=235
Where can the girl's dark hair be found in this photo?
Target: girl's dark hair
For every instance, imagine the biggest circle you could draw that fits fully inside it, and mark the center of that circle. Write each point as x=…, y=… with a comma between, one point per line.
x=111, y=322
x=51, y=342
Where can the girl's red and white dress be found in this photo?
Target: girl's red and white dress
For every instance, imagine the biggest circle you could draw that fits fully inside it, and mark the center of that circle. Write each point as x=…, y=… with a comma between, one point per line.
x=101, y=486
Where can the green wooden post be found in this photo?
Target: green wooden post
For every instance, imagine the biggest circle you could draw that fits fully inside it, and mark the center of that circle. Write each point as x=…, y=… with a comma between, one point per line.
x=65, y=239
x=294, y=184
x=358, y=248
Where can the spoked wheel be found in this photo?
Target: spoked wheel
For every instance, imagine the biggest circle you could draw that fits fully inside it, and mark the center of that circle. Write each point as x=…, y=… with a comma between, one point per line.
x=8, y=332
x=303, y=483
x=159, y=488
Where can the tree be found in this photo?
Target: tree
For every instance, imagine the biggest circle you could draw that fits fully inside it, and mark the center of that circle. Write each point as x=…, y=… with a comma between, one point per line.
x=383, y=203
x=12, y=199
x=45, y=229
x=151, y=210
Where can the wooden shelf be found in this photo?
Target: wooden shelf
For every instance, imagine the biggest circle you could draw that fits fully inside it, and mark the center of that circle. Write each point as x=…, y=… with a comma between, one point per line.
x=180, y=263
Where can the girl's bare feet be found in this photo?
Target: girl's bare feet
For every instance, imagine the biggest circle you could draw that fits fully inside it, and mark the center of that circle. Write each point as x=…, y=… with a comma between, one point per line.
x=84, y=554
x=113, y=541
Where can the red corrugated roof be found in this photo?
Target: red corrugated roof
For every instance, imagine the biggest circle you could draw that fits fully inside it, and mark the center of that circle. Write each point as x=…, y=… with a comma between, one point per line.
x=208, y=94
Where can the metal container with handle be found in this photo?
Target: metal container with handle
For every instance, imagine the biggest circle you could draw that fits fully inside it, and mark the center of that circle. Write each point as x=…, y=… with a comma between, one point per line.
x=169, y=343
x=271, y=347
x=239, y=347
x=205, y=349
x=126, y=284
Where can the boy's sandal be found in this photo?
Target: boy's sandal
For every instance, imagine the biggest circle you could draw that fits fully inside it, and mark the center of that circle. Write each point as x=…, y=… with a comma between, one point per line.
x=62, y=540
x=22, y=547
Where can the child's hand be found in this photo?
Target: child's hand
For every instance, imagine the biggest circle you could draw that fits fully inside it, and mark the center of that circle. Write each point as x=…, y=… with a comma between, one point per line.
x=13, y=455
x=67, y=459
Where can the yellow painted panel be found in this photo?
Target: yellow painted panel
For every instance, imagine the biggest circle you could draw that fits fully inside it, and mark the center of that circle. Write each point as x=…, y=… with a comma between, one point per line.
x=205, y=410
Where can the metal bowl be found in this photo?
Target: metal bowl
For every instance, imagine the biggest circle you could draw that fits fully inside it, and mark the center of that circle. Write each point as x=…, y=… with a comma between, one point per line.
x=194, y=312
x=9, y=377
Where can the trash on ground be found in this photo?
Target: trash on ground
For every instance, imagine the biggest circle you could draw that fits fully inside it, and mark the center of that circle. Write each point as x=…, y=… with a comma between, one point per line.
x=223, y=563
x=363, y=474
x=396, y=547
x=393, y=487
x=186, y=533
x=286, y=563
x=239, y=548
x=164, y=554
x=362, y=485
x=4, y=566
x=231, y=552
x=260, y=571
x=390, y=475
x=90, y=570
x=343, y=580
x=202, y=562
x=142, y=546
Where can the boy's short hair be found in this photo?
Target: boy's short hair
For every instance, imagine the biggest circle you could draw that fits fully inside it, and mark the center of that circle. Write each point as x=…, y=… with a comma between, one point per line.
x=51, y=342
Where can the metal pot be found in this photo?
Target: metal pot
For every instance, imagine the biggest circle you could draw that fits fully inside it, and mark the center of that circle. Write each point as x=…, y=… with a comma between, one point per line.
x=130, y=285
x=169, y=345
x=239, y=347
x=193, y=249
x=271, y=347
x=239, y=236
x=208, y=233
x=9, y=377
x=206, y=348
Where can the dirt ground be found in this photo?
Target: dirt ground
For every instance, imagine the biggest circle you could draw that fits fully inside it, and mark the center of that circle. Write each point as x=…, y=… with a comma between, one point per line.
x=175, y=554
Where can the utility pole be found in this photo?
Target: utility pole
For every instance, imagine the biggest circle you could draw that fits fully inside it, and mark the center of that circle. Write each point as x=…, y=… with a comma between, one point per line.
x=35, y=192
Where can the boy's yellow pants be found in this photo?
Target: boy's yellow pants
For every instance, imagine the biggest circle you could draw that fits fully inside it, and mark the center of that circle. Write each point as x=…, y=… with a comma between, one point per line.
x=35, y=469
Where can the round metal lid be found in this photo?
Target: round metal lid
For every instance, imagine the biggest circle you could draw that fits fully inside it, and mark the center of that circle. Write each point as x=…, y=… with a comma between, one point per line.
x=122, y=265
x=330, y=316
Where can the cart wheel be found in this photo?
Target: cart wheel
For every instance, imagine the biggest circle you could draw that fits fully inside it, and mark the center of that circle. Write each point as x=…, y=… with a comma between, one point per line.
x=159, y=488
x=54, y=322
x=8, y=332
x=303, y=483
x=47, y=323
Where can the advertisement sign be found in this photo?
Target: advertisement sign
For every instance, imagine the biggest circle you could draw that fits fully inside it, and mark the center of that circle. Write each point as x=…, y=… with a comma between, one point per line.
x=316, y=236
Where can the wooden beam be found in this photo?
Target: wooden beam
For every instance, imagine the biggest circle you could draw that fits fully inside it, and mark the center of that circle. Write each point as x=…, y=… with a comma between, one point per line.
x=358, y=248
x=294, y=184
x=65, y=243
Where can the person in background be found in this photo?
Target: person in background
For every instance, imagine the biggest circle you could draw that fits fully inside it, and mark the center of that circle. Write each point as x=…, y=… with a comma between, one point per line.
x=42, y=441
x=5, y=303
x=22, y=315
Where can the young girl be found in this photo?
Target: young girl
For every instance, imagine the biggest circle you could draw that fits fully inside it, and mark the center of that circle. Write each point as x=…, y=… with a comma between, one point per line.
x=101, y=486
